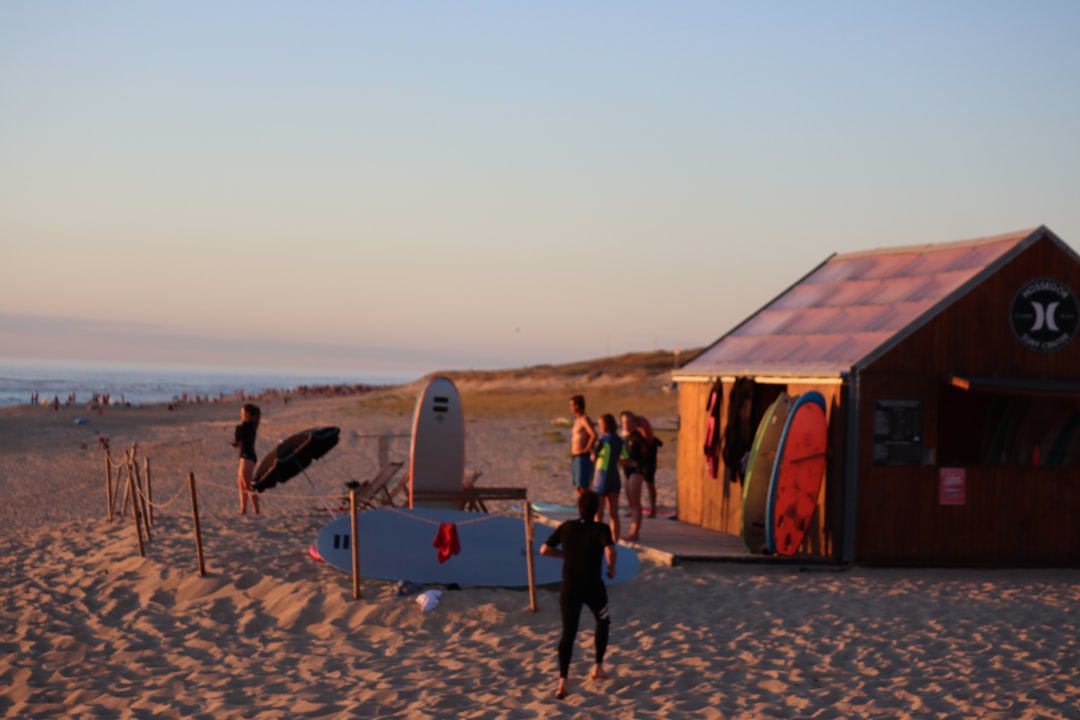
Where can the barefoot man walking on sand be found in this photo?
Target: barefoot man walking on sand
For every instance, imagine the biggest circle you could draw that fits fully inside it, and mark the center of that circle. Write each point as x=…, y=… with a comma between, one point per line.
x=584, y=542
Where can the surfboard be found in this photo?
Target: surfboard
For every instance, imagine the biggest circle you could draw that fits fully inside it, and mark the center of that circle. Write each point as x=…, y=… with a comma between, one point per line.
x=437, y=454
x=549, y=509
x=397, y=544
x=759, y=472
x=797, y=474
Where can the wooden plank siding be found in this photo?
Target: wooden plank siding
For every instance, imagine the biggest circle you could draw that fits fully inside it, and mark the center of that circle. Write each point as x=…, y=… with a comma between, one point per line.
x=1015, y=514
x=1011, y=517
x=703, y=500
x=715, y=503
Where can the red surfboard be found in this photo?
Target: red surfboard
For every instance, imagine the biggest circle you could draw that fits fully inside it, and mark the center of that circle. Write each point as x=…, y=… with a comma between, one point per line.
x=797, y=475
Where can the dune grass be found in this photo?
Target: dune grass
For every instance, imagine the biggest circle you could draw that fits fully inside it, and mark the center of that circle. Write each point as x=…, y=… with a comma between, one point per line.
x=552, y=404
x=633, y=381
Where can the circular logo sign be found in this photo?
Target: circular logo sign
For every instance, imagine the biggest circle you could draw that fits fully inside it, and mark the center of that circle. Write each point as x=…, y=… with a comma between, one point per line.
x=1044, y=315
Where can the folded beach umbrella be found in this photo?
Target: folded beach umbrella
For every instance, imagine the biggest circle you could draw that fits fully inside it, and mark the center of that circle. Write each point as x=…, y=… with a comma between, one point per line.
x=293, y=454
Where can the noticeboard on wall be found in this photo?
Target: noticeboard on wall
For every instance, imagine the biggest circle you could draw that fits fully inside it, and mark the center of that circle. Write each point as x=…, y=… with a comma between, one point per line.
x=952, y=486
x=898, y=432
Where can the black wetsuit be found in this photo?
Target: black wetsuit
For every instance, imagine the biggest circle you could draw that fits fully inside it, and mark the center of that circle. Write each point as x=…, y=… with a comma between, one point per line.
x=244, y=438
x=637, y=448
x=583, y=543
x=648, y=468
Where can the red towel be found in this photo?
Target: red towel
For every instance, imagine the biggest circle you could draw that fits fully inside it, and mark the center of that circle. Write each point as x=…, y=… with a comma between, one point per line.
x=446, y=540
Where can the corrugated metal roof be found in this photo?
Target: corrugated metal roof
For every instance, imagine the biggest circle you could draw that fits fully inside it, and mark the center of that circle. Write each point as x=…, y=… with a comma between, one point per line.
x=854, y=306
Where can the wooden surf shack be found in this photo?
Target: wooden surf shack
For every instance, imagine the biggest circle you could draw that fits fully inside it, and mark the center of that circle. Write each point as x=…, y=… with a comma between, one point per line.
x=951, y=376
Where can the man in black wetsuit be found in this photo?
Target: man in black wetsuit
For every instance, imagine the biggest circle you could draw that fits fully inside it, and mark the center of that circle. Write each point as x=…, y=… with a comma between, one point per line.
x=584, y=543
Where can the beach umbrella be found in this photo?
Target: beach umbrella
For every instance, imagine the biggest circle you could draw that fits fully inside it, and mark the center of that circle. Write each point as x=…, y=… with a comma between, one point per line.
x=293, y=454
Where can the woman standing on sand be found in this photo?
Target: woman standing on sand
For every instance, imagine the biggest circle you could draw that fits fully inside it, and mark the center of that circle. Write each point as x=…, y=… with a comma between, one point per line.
x=637, y=451
x=244, y=438
x=609, y=454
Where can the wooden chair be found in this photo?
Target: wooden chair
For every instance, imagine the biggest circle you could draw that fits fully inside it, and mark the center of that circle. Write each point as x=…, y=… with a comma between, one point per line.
x=470, y=498
x=379, y=491
x=399, y=486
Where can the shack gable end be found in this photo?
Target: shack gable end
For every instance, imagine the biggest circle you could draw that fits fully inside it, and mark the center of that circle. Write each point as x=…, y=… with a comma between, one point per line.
x=974, y=335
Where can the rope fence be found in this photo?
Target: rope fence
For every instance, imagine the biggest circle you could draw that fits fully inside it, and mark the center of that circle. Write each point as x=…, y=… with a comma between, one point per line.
x=138, y=495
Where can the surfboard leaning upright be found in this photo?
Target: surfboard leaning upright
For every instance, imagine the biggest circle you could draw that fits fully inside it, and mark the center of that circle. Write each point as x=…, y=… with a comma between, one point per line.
x=797, y=474
x=759, y=469
x=437, y=455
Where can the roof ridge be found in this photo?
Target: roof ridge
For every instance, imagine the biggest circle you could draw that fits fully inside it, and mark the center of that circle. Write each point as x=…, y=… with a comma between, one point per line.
x=1016, y=237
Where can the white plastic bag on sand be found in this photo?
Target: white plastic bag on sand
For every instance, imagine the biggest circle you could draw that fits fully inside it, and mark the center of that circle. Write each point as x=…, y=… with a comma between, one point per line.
x=429, y=599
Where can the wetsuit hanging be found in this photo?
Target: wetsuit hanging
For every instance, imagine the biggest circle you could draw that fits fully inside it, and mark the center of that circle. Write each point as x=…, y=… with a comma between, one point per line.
x=712, y=428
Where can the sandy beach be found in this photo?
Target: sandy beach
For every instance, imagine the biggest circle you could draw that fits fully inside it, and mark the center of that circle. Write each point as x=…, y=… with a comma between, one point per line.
x=91, y=629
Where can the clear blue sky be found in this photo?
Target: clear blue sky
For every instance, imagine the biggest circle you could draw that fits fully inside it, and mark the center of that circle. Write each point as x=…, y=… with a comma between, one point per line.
x=402, y=186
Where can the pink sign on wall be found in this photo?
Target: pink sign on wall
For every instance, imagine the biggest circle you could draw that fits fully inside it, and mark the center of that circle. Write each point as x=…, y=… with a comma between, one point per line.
x=952, y=486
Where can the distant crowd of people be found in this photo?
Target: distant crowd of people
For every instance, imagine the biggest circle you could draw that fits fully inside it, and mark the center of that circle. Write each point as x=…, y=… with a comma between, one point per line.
x=102, y=400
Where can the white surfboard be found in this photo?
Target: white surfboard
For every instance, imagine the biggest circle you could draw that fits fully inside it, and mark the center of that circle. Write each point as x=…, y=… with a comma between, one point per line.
x=397, y=544
x=437, y=457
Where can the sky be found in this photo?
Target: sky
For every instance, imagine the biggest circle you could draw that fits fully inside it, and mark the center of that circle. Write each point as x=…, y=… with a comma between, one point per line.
x=405, y=187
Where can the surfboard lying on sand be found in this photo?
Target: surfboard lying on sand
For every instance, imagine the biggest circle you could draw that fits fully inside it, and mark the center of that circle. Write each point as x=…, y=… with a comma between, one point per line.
x=759, y=472
x=437, y=455
x=797, y=474
x=397, y=544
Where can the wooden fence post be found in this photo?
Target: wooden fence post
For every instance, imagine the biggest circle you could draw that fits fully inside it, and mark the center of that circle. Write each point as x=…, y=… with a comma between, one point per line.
x=135, y=514
x=108, y=485
x=115, y=485
x=127, y=486
x=149, y=491
x=355, y=546
x=529, y=554
x=198, y=529
x=140, y=497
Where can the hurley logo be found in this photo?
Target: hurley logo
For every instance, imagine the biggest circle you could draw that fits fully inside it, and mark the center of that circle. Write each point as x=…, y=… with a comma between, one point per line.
x=1044, y=315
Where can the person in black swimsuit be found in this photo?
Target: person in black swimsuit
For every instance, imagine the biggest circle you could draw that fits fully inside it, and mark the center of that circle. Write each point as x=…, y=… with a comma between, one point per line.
x=244, y=438
x=637, y=451
x=584, y=543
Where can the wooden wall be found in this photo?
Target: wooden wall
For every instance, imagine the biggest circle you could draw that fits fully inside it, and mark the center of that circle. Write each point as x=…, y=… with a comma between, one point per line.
x=1014, y=514
x=703, y=500
x=1011, y=517
x=716, y=503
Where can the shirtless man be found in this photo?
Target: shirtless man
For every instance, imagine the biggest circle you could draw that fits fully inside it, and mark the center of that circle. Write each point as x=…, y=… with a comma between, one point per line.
x=582, y=439
x=583, y=544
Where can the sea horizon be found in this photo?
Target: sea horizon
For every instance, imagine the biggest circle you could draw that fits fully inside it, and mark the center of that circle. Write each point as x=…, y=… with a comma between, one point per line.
x=143, y=384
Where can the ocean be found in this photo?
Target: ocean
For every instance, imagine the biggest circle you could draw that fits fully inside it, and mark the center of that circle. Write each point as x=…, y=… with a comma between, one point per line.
x=146, y=384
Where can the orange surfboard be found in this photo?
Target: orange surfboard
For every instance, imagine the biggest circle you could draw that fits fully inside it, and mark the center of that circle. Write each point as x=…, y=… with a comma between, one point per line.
x=797, y=475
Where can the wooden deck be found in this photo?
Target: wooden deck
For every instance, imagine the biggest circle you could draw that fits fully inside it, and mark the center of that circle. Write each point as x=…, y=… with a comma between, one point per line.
x=667, y=541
